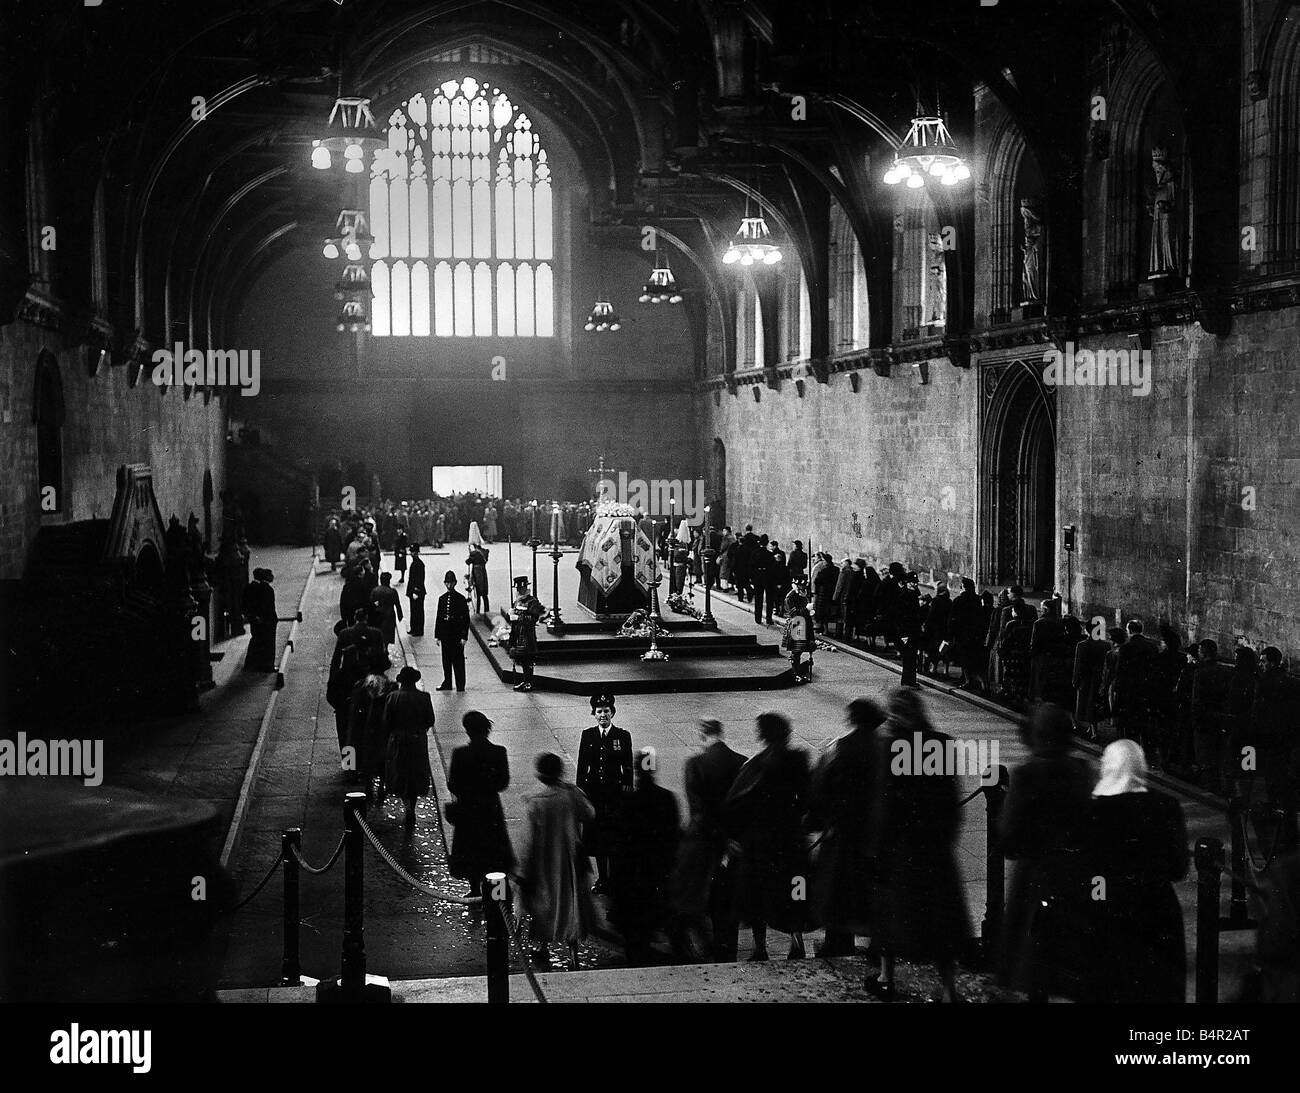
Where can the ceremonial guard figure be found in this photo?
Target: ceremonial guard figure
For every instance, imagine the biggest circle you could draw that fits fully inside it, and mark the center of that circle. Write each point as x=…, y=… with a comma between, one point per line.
x=604, y=775
x=523, y=631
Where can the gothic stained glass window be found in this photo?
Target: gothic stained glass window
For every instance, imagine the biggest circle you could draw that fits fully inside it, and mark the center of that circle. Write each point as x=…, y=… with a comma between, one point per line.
x=461, y=213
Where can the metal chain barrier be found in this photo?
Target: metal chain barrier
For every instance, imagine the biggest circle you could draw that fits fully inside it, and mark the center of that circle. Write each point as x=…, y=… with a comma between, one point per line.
x=260, y=885
x=446, y=897
x=302, y=862
x=515, y=926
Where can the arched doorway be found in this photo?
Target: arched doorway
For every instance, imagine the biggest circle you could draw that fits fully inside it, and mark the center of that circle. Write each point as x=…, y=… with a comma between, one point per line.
x=48, y=413
x=1017, y=477
x=716, y=486
x=148, y=573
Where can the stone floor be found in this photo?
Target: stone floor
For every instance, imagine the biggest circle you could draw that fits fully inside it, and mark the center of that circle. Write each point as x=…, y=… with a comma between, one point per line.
x=411, y=936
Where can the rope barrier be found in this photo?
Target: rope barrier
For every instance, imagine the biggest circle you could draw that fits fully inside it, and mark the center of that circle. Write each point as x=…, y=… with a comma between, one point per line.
x=514, y=926
x=338, y=851
x=971, y=796
x=446, y=897
x=260, y=885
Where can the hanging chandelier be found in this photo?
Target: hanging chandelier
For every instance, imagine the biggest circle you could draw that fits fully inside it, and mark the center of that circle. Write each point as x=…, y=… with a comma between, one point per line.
x=662, y=286
x=603, y=317
x=928, y=149
x=353, y=317
x=351, y=237
x=354, y=283
x=353, y=133
x=752, y=243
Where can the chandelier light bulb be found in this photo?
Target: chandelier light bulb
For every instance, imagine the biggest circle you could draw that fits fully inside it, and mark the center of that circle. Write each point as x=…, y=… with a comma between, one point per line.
x=354, y=167
x=929, y=149
x=354, y=252
x=320, y=156
x=330, y=250
x=731, y=256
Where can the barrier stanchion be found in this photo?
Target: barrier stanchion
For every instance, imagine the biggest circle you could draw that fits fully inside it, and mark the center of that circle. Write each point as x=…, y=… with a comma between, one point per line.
x=354, y=985
x=995, y=867
x=1238, y=909
x=496, y=895
x=1209, y=869
x=291, y=965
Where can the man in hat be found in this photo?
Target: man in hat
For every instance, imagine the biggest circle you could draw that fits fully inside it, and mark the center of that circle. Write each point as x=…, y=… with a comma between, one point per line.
x=523, y=631
x=604, y=775
x=259, y=610
x=415, y=593
x=451, y=630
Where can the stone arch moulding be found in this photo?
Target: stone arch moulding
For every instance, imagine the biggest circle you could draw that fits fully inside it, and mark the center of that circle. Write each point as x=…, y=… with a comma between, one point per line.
x=1016, y=520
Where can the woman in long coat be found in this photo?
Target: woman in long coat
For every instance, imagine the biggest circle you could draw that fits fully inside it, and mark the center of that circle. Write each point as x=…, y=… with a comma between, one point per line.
x=725, y=543
x=408, y=717
x=920, y=911
x=824, y=592
x=553, y=874
x=366, y=731
x=1042, y=833
x=479, y=772
x=333, y=542
x=764, y=811
x=1136, y=839
x=839, y=805
x=1013, y=651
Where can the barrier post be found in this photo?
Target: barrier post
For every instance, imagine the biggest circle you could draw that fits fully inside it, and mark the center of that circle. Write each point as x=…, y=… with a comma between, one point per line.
x=290, y=965
x=354, y=985
x=1209, y=866
x=995, y=868
x=496, y=894
x=1238, y=909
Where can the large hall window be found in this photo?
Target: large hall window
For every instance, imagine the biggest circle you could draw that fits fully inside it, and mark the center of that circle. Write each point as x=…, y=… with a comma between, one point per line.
x=461, y=212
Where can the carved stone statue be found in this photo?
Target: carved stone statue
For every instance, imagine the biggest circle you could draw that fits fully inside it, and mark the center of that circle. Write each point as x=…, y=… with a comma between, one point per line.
x=1031, y=281
x=936, y=285
x=1162, y=261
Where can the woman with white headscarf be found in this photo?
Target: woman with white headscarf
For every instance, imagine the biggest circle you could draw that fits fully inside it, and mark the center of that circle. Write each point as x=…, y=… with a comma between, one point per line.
x=1137, y=848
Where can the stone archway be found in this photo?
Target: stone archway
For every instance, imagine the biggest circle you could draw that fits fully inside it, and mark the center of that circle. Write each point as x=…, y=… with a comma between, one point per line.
x=1017, y=526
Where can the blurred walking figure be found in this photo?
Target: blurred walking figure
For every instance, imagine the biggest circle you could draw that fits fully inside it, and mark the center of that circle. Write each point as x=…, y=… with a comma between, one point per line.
x=704, y=885
x=408, y=717
x=643, y=860
x=764, y=812
x=367, y=733
x=1043, y=953
x=1137, y=844
x=920, y=911
x=553, y=873
x=840, y=806
x=479, y=772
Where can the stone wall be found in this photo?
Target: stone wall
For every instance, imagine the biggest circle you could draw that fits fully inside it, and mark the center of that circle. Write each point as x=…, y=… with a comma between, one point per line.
x=862, y=473
x=107, y=423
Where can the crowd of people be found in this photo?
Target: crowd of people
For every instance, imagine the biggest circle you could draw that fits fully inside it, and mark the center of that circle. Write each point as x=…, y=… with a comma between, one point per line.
x=845, y=841
x=435, y=521
x=1227, y=728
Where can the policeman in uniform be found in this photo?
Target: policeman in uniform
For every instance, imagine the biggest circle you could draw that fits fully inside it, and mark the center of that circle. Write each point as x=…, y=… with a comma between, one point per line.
x=604, y=775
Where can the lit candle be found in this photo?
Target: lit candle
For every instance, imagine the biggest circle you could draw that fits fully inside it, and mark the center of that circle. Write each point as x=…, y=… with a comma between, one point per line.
x=555, y=526
x=533, y=507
